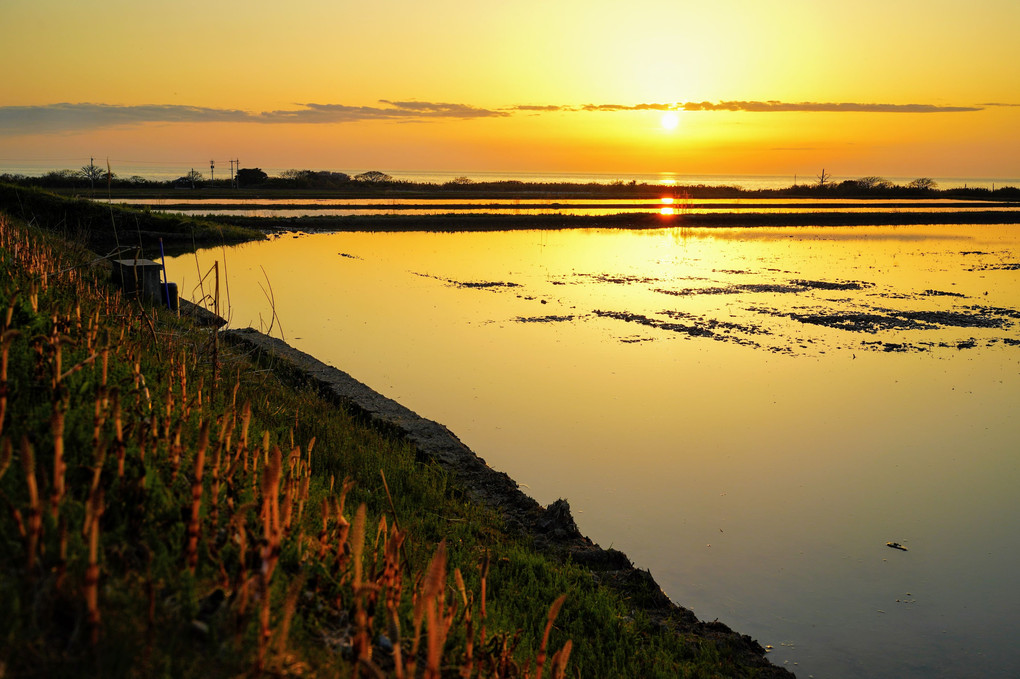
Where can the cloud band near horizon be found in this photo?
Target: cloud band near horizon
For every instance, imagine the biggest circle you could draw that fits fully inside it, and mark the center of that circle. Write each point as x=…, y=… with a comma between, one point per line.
x=68, y=117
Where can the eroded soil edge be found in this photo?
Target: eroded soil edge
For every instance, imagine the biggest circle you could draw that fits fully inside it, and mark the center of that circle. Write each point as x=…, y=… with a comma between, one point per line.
x=551, y=529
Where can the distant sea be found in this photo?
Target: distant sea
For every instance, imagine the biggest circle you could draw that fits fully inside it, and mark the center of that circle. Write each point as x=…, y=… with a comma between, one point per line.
x=168, y=171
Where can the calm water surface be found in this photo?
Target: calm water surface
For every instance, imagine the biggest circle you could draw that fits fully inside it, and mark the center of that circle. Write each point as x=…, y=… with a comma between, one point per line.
x=751, y=414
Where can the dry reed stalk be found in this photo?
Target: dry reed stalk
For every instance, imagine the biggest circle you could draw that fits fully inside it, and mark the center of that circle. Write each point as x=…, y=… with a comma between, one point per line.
x=196, y=497
x=214, y=489
x=287, y=508
x=559, y=660
x=467, y=669
x=198, y=395
x=434, y=596
x=34, y=506
x=98, y=419
x=58, y=354
x=106, y=363
x=242, y=579
x=98, y=459
x=175, y=452
x=118, y=432
x=59, y=466
x=92, y=572
x=242, y=450
x=303, y=497
x=358, y=543
x=343, y=527
x=10, y=312
x=361, y=639
x=393, y=583
x=324, y=533
x=483, y=567
x=5, y=346
x=554, y=610
x=389, y=498
x=61, y=553
x=6, y=454
x=289, y=606
x=271, y=513
x=184, y=384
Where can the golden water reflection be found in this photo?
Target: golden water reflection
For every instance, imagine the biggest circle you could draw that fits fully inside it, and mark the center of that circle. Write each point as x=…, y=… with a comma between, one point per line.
x=749, y=413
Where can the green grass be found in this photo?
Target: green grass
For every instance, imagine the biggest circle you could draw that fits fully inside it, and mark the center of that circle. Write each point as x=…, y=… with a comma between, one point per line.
x=105, y=227
x=186, y=451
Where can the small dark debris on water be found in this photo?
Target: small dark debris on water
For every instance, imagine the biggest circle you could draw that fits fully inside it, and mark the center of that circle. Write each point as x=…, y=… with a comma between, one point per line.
x=543, y=319
x=942, y=293
x=794, y=286
x=832, y=285
x=715, y=325
x=474, y=285
x=619, y=280
x=1003, y=266
x=698, y=327
x=484, y=284
x=896, y=545
x=348, y=255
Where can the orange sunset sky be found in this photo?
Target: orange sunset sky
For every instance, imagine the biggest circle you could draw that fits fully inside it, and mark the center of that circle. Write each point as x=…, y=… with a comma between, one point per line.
x=874, y=87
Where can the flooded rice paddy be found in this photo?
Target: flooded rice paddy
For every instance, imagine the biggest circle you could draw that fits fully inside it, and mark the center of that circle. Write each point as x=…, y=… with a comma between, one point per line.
x=588, y=207
x=751, y=414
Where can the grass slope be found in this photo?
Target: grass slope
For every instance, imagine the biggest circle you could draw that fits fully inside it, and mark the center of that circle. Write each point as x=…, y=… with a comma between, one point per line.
x=171, y=509
x=107, y=227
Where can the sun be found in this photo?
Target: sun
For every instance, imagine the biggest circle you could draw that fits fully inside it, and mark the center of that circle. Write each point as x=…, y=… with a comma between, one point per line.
x=669, y=120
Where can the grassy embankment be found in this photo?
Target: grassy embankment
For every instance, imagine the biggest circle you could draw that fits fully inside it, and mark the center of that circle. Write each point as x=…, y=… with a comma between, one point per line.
x=170, y=508
x=105, y=227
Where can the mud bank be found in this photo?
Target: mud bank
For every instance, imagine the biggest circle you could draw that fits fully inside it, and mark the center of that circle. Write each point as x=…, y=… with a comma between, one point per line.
x=551, y=529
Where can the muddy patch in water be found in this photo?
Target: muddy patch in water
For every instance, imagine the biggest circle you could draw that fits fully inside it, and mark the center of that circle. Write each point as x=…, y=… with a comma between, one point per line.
x=617, y=279
x=472, y=285
x=544, y=319
x=696, y=326
x=793, y=286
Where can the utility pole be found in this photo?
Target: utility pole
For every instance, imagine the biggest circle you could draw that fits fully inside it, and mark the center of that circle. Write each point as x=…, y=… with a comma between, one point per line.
x=212, y=170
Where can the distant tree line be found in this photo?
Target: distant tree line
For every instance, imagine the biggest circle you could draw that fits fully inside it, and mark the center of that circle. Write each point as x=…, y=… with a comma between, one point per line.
x=93, y=177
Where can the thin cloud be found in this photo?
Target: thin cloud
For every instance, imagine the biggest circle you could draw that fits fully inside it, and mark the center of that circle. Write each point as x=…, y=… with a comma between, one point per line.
x=825, y=107
x=67, y=117
x=761, y=107
x=72, y=117
x=393, y=110
x=630, y=107
x=545, y=108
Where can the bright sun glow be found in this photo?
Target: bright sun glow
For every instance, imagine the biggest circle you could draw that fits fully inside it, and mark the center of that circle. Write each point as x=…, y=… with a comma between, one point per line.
x=669, y=120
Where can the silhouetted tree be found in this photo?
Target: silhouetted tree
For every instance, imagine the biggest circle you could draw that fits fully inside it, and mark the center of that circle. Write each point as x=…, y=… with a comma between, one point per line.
x=823, y=178
x=373, y=176
x=923, y=184
x=251, y=176
x=869, y=183
x=92, y=173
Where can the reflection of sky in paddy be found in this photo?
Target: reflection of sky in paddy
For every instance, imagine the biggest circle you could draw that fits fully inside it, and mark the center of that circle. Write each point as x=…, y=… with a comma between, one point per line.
x=752, y=416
